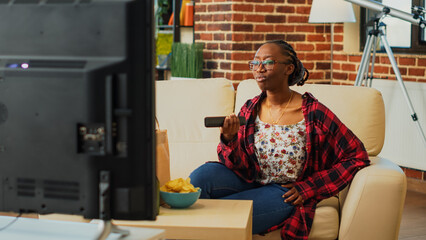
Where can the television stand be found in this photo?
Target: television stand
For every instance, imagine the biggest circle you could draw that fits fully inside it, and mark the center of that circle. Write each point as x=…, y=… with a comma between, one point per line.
x=106, y=227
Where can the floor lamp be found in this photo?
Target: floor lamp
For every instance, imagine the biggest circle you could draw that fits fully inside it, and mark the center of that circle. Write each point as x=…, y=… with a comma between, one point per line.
x=331, y=11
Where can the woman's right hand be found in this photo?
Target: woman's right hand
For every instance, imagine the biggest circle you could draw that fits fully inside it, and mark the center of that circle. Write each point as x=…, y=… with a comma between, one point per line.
x=230, y=127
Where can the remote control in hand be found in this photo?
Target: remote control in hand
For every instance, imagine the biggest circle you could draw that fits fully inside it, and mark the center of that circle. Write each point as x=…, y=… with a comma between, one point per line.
x=218, y=121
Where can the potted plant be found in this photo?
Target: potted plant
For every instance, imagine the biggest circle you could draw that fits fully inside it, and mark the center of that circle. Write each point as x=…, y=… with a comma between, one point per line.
x=187, y=60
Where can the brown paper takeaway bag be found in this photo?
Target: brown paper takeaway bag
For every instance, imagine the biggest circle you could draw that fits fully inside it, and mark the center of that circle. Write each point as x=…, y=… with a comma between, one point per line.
x=163, y=157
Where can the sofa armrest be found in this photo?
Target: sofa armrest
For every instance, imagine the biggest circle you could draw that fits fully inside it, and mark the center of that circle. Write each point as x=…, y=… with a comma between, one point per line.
x=374, y=203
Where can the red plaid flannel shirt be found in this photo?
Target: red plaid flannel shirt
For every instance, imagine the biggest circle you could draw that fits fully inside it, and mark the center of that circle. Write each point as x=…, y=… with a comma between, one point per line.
x=334, y=155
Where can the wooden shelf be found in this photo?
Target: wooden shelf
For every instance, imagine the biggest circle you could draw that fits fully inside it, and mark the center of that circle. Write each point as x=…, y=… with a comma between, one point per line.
x=165, y=26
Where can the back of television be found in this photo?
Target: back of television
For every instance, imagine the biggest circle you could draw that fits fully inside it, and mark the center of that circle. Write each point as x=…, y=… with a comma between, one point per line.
x=77, y=130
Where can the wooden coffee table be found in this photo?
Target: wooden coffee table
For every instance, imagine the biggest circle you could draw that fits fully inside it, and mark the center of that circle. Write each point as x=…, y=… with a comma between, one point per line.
x=206, y=219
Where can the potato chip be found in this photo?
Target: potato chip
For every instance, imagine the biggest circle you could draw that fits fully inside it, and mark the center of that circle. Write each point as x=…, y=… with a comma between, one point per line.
x=179, y=185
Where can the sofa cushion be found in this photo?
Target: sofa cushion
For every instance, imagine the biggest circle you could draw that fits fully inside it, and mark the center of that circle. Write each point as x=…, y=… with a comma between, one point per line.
x=360, y=108
x=324, y=227
x=182, y=114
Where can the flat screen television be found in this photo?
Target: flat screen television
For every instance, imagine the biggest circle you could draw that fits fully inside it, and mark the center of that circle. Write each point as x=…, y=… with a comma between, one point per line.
x=77, y=110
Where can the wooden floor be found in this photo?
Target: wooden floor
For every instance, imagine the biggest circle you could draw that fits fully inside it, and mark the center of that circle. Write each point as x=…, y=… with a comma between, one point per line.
x=413, y=223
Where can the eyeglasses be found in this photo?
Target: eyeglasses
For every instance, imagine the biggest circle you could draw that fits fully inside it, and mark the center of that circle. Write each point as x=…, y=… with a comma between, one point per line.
x=267, y=64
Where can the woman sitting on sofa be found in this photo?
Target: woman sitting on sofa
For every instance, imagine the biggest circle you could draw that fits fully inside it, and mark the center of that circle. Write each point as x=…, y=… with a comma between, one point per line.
x=291, y=153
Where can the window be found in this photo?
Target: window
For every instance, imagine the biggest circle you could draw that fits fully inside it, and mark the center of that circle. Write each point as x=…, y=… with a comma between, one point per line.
x=402, y=36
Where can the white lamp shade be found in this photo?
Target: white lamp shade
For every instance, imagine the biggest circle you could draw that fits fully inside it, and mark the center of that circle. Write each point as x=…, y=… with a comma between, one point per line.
x=331, y=11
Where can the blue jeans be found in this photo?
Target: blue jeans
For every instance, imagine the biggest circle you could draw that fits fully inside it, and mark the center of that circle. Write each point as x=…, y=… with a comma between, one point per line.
x=218, y=182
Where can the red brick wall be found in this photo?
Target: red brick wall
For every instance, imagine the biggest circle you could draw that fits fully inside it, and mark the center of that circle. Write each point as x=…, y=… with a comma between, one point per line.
x=233, y=30
x=414, y=173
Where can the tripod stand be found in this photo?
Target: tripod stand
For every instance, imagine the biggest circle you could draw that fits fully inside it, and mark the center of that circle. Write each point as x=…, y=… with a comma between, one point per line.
x=374, y=36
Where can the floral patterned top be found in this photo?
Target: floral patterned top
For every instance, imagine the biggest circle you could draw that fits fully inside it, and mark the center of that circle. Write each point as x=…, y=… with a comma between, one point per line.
x=280, y=150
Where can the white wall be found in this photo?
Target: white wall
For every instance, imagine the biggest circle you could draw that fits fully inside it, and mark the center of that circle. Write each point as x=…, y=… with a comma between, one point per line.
x=403, y=141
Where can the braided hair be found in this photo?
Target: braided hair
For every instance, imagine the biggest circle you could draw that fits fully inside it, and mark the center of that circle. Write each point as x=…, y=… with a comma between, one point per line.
x=300, y=73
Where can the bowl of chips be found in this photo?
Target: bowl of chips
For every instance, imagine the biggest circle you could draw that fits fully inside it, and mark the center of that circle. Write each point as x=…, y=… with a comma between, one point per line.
x=179, y=193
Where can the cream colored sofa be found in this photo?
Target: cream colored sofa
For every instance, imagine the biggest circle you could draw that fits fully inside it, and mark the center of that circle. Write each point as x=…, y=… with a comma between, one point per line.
x=370, y=208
